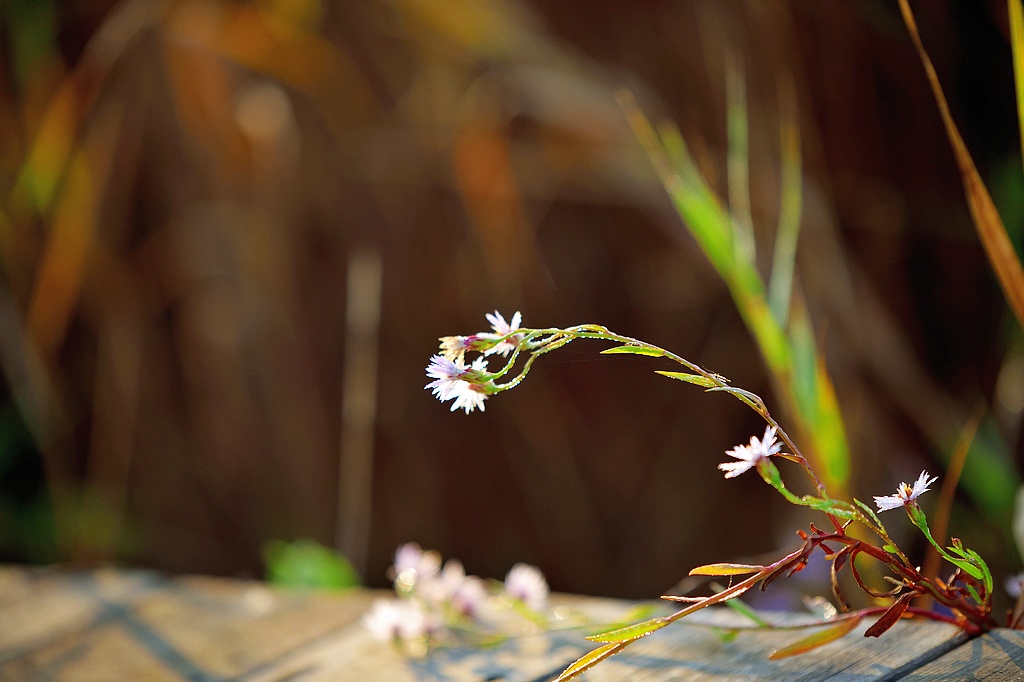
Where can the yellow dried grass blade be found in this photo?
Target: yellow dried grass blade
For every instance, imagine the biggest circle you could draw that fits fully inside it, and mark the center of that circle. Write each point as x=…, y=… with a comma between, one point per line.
x=819, y=638
x=725, y=569
x=590, y=660
x=998, y=248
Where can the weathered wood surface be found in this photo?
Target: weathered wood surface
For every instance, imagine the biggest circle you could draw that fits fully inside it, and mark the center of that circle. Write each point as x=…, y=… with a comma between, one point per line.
x=113, y=625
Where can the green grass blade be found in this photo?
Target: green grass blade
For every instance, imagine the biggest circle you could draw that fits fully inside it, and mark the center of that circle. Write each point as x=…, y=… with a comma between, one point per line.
x=780, y=286
x=738, y=161
x=689, y=378
x=634, y=350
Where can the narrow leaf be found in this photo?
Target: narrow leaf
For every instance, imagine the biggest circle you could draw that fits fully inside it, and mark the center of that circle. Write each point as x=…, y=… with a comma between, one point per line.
x=726, y=569
x=967, y=567
x=1016, y=12
x=689, y=378
x=751, y=399
x=974, y=594
x=989, y=225
x=634, y=350
x=817, y=639
x=630, y=632
x=890, y=617
x=590, y=660
x=870, y=514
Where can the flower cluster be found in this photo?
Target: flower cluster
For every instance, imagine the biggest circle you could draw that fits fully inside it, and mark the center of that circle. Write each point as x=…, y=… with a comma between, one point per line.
x=434, y=603
x=469, y=385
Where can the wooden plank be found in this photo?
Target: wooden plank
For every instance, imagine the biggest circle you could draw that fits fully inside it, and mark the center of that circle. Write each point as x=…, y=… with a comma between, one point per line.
x=355, y=655
x=39, y=605
x=997, y=655
x=75, y=626
x=108, y=625
x=231, y=628
x=696, y=653
x=104, y=653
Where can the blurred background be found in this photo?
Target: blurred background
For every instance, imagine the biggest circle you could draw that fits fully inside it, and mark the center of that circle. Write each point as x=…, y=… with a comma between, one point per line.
x=232, y=232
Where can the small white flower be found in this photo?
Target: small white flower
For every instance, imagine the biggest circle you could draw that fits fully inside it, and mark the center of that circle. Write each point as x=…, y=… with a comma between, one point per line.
x=469, y=397
x=451, y=382
x=905, y=494
x=455, y=347
x=396, y=619
x=471, y=596
x=748, y=456
x=447, y=374
x=464, y=593
x=501, y=328
x=527, y=584
x=413, y=565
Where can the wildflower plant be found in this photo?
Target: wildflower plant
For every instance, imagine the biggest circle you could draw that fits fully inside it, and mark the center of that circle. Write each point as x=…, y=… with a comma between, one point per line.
x=964, y=595
x=438, y=605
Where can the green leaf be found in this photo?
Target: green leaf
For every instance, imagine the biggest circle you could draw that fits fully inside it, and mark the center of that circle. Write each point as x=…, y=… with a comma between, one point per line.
x=974, y=594
x=630, y=632
x=972, y=559
x=305, y=563
x=634, y=350
x=726, y=569
x=689, y=378
x=725, y=635
x=817, y=639
x=958, y=548
x=967, y=567
x=590, y=660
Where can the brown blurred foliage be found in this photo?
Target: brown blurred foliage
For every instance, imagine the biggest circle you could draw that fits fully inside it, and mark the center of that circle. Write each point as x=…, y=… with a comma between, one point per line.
x=231, y=234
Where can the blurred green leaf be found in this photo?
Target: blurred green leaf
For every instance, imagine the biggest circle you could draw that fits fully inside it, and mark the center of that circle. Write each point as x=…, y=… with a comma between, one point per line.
x=305, y=563
x=989, y=476
x=33, y=34
x=780, y=286
x=806, y=388
x=816, y=400
x=750, y=614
